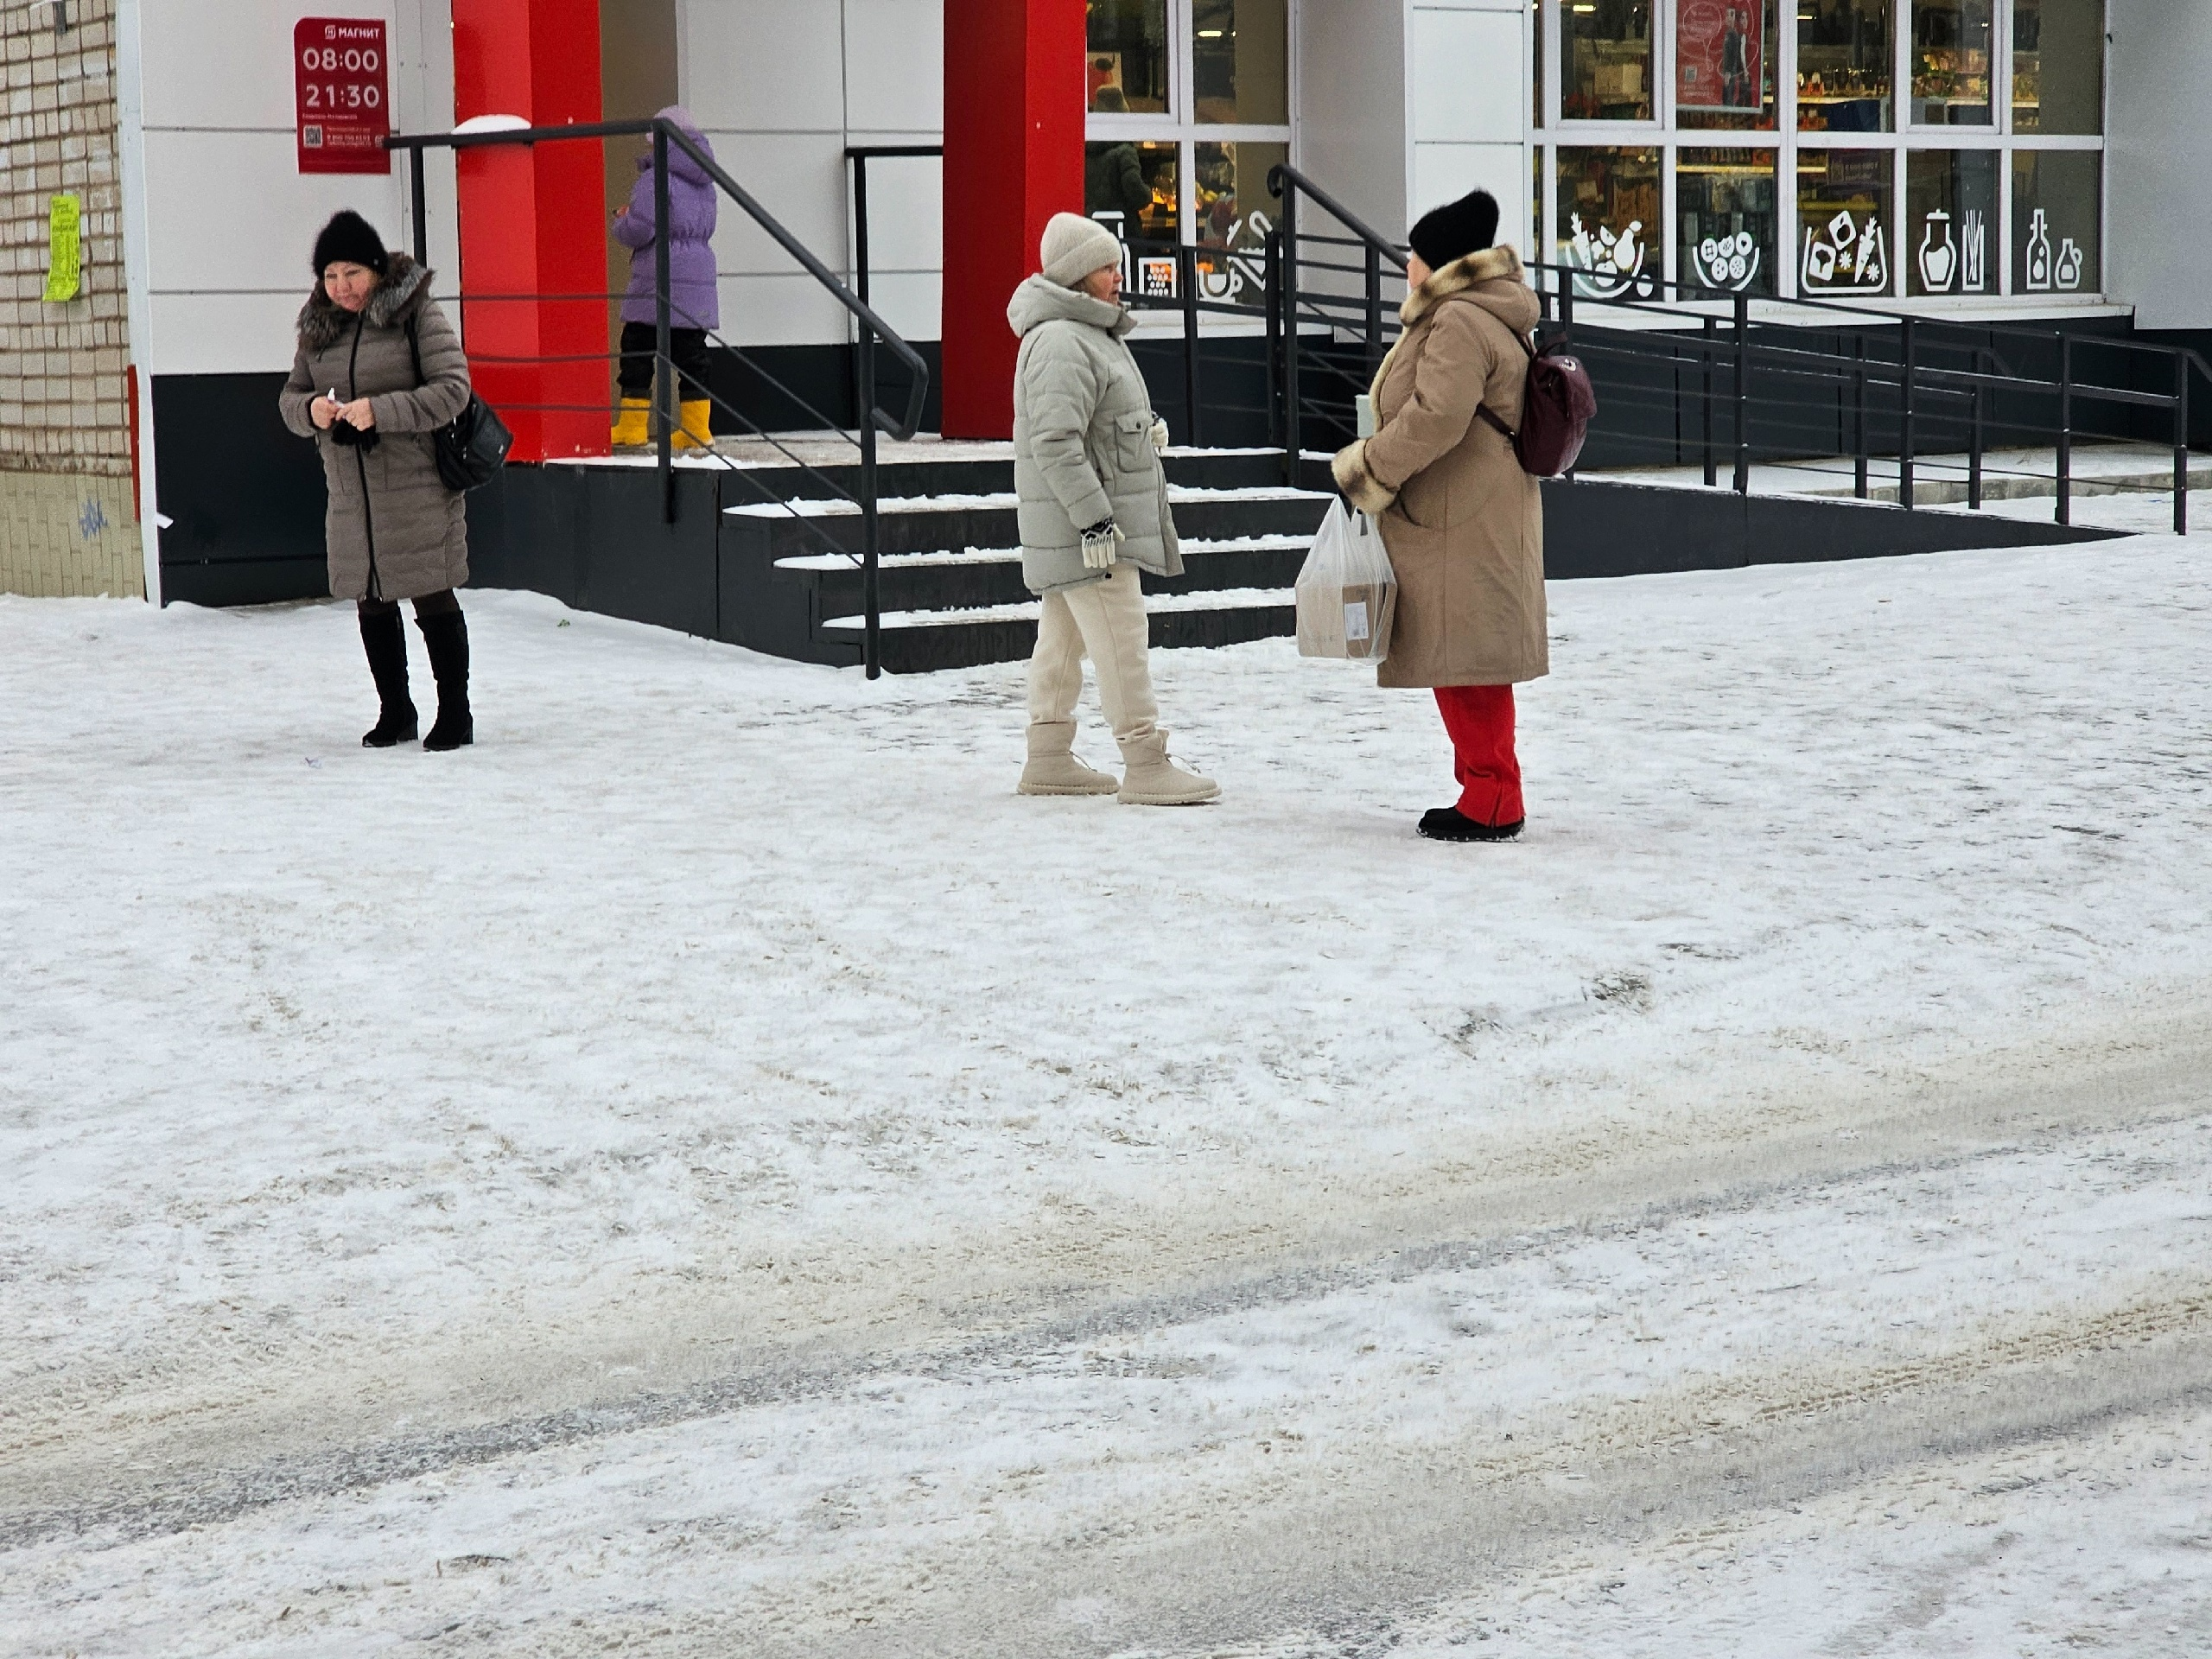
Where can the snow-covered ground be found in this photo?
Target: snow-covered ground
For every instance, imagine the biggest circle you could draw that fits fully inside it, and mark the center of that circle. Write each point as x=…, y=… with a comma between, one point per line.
x=710, y=1169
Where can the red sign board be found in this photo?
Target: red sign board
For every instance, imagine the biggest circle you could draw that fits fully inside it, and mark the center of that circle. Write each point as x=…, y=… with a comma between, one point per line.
x=342, y=84
x=1719, y=55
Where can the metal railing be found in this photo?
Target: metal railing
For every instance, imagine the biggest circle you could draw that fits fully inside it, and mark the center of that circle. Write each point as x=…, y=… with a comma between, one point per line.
x=871, y=329
x=1942, y=372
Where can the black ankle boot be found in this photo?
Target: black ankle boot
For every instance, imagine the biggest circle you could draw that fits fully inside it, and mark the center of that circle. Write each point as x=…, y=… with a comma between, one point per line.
x=1449, y=823
x=385, y=638
x=446, y=637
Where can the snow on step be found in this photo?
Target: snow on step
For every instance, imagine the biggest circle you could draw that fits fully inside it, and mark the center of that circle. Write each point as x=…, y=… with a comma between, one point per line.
x=1223, y=599
x=1195, y=546
x=799, y=508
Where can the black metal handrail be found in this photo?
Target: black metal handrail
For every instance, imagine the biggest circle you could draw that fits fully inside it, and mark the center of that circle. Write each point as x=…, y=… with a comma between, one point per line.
x=868, y=417
x=1690, y=331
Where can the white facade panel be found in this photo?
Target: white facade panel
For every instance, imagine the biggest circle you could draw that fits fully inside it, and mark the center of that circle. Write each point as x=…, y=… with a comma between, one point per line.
x=894, y=70
x=781, y=310
x=2158, y=237
x=226, y=334
x=1469, y=86
x=799, y=178
x=912, y=301
x=1444, y=173
x=762, y=66
x=1352, y=133
x=907, y=212
x=228, y=63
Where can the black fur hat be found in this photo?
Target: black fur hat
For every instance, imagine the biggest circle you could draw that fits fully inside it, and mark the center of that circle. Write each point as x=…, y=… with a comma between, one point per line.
x=354, y=240
x=1456, y=229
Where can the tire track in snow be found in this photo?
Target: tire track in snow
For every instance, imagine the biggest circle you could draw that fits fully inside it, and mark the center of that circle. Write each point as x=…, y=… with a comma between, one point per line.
x=71, y=1498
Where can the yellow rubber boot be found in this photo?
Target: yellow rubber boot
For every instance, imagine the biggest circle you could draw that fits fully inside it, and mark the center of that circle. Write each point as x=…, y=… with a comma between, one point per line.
x=695, y=431
x=630, y=424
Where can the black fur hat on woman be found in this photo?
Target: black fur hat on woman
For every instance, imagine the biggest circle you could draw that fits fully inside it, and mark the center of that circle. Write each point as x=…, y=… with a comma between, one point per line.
x=350, y=237
x=1456, y=230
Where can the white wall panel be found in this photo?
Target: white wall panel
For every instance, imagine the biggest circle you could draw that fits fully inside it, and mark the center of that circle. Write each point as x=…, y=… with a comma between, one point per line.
x=1444, y=173
x=907, y=212
x=225, y=333
x=1352, y=94
x=799, y=178
x=912, y=301
x=226, y=211
x=791, y=310
x=2159, y=238
x=772, y=66
x=228, y=63
x=1468, y=83
x=894, y=68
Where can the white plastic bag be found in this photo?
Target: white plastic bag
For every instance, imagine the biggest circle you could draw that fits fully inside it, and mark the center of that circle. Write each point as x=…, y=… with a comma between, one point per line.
x=1347, y=593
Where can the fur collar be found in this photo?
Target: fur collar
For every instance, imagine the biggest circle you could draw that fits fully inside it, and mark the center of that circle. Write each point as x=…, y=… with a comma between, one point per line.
x=1483, y=265
x=404, y=291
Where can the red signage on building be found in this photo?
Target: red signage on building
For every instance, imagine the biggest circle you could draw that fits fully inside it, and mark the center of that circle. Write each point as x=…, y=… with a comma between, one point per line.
x=1719, y=55
x=342, y=94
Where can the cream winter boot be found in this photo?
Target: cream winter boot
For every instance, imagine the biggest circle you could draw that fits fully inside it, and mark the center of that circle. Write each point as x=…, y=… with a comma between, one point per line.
x=1054, y=769
x=1154, y=780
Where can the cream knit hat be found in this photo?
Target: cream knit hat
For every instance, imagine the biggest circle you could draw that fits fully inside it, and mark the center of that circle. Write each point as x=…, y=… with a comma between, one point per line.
x=1074, y=246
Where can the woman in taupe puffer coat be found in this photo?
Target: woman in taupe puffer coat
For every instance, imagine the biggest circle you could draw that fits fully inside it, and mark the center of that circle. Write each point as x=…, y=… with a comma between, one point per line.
x=379, y=370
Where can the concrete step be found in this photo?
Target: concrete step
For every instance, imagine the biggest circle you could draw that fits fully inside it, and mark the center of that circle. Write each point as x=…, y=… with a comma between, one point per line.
x=975, y=577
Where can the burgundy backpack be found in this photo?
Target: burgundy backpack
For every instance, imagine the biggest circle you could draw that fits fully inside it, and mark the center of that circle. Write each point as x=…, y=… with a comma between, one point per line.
x=1556, y=403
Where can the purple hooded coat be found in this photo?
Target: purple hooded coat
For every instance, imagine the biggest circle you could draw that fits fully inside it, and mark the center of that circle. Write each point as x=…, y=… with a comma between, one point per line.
x=691, y=296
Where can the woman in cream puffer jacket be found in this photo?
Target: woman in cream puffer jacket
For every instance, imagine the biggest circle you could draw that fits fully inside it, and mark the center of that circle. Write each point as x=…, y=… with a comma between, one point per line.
x=1093, y=512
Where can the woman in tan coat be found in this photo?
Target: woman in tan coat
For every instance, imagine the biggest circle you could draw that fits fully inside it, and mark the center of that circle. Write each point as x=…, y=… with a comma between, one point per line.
x=1463, y=524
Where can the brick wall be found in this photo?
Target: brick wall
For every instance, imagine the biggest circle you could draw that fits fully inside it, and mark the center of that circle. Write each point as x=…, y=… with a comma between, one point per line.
x=67, y=521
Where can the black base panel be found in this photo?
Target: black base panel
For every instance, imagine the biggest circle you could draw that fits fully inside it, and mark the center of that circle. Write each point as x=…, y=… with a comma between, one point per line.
x=245, y=498
x=595, y=538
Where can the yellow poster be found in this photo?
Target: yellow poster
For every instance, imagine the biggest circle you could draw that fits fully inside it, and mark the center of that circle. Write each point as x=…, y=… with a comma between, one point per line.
x=62, y=261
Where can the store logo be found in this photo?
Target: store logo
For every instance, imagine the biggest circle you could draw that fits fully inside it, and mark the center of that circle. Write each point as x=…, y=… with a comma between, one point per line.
x=1608, y=265
x=1729, y=262
x=1846, y=256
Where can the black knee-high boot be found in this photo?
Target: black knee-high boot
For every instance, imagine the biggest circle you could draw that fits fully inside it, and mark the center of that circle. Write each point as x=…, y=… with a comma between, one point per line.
x=446, y=634
x=384, y=636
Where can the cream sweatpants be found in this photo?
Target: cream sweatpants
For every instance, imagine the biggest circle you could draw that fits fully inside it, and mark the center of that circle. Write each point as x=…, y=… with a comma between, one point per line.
x=1105, y=621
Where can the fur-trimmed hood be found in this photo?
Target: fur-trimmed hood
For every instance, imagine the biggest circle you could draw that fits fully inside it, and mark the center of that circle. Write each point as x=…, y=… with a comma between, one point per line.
x=405, y=287
x=1496, y=264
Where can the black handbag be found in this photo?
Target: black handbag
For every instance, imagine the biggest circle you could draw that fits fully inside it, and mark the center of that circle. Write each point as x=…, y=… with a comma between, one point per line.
x=472, y=446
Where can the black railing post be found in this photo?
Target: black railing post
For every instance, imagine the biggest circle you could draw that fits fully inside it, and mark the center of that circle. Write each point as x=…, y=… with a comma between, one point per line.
x=1974, y=436
x=1187, y=277
x=1274, y=298
x=1374, y=275
x=1705, y=396
x=2065, y=468
x=859, y=228
x=1293, y=456
x=420, y=208
x=1859, y=421
x=871, y=550
x=663, y=363
x=1743, y=394
x=1907, y=352
x=2180, y=444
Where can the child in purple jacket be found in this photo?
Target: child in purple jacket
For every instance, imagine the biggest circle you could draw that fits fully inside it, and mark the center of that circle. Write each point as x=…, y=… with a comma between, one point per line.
x=692, y=306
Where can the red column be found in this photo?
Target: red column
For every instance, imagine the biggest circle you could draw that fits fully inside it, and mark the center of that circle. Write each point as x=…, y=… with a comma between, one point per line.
x=1014, y=107
x=531, y=221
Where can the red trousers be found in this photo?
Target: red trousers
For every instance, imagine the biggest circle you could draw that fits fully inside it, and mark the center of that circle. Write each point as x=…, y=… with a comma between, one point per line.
x=1480, y=720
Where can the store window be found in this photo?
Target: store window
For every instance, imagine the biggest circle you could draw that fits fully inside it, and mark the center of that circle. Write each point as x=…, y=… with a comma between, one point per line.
x=1133, y=187
x=1608, y=208
x=1844, y=61
x=1125, y=56
x=1190, y=109
x=1607, y=60
x=2058, y=66
x=1724, y=55
x=1950, y=198
x=1240, y=61
x=2056, y=213
x=1951, y=41
x=1234, y=213
x=1724, y=204
x=1845, y=226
